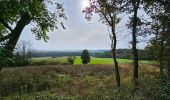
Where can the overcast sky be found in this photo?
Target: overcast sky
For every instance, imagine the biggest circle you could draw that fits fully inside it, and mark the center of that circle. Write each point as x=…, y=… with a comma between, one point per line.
x=79, y=33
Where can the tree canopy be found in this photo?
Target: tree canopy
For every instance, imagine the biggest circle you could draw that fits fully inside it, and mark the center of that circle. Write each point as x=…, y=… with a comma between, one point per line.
x=44, y=16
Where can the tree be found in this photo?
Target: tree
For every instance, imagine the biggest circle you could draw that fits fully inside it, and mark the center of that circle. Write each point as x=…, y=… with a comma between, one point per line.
x=20, y=13
x=108, y=11
x=134, y=40
x=132, y=7
x=85, y=57
x=160, y=10
x=156, y=47
x=164, y=17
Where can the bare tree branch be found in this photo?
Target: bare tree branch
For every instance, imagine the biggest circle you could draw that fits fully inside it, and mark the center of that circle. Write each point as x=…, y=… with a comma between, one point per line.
x=106, y=18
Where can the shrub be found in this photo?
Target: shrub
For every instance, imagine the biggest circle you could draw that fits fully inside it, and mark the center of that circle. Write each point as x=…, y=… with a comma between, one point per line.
x=15, y=60
x=71, y=59
x=165, y=92
x=21, y=81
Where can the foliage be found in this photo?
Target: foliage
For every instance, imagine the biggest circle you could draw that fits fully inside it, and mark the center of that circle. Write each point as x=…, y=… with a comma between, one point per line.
x=159, y=45
x=165, y=91
x=21, y=57
x=85, y=57
x=14, y=61
x=71, y=59
x=43, y=19
x=26, y=81
x=14, y=19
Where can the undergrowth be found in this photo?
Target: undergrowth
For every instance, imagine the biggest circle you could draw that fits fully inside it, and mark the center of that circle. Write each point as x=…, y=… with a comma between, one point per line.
x=80, y=82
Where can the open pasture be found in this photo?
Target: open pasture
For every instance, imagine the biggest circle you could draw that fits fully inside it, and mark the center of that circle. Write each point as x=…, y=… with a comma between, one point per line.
x=63, y=60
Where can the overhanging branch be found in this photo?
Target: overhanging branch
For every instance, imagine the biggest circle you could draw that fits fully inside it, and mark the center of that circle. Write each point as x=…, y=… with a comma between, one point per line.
x=5, y=24
x=5, y=37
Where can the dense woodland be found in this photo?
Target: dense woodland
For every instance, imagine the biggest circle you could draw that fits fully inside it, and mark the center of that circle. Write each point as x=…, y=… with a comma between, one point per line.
x=15, y=15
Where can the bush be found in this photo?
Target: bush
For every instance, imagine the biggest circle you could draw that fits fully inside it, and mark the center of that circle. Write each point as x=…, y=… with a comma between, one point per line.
x=165, y=92
x=15, y=60
x=26, y=81
x=71, y=59
x=7, y=61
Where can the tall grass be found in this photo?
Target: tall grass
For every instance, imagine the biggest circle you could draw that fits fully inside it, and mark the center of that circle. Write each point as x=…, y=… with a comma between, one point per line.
x=79, y=82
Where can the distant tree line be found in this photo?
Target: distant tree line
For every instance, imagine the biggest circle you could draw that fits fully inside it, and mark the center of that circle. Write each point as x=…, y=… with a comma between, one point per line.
x=55, y=54
x=124, y=54
x=120, y=53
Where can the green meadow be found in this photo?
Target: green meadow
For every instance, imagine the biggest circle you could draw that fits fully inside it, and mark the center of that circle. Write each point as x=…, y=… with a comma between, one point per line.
x=63, y=60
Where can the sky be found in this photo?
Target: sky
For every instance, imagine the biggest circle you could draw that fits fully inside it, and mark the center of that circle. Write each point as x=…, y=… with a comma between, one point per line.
x=79, y=33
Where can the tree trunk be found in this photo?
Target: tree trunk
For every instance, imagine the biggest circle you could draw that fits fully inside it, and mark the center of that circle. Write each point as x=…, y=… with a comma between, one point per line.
x=161, y=56
x=134, y=42
x=168, y=55
x=15, y=34
x=169, y=69
x=114, y=59
x=168, y=61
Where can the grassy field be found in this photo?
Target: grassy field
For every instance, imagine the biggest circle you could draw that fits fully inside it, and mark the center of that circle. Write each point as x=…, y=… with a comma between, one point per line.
x=57, y=80
x=77, y=82
x=63, y=60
